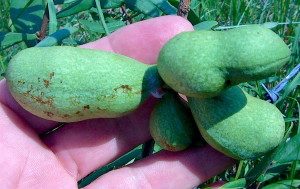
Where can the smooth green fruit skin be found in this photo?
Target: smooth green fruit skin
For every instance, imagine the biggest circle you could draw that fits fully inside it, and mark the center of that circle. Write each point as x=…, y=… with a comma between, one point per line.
x=203, y=63
x=69, y=84
x=172, y=125
x=237, y=124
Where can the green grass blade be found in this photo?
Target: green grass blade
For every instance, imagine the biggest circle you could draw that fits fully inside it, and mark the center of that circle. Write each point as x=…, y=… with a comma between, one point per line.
x=52, y=17
x=113, y=165
x=57, y=37
x=165, y=6
x=239, y=170
x=110, y=4
x=9, y=39
x=234, y=11
x=284, y=184
x=293, y=85
x=101, y=16
x=206, y=25
x=237, y=184
x=97, y=27
x=290, y=151
x=147, y=7
x=76, y=7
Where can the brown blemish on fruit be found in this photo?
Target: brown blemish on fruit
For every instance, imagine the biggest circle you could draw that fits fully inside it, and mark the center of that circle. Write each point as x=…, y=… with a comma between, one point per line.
x=126, y=88
x=49, y=114
x=41, y=100
x=110, y=97
x=46, y=83
x=78, y=112
x=86, y=107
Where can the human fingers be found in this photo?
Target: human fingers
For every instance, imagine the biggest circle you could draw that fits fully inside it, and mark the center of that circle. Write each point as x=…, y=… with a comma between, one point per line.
x=143, y=40
x=24, y=160
x=185, y=169
x=85, y=146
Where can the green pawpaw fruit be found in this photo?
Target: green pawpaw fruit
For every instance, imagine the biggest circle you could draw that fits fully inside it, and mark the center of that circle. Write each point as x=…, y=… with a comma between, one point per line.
x=237, y=124
x=172, y=125
x=204, y=63
x=69, y=84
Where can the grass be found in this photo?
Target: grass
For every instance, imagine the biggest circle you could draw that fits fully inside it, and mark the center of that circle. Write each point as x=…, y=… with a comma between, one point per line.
x=267, y=172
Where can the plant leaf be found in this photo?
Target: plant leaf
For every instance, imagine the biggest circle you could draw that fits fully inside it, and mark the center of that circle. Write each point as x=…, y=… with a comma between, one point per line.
x=52, y=17
x=284, y=184
x=273, y=172
x=261, y=167
x=9, y=39
x=206, y=25
x=165, y=6
x=290, y=151
x=58, y=2
x=57, y=37
x=83, y=5
x=27, y=15
x=109, y=4
x=290, y=87
x=76, y=7
x=97, y=27
x=147, y=7
x=240, y=183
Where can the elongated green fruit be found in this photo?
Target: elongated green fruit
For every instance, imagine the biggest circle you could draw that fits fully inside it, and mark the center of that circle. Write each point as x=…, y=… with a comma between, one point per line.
x=70, y=84
x=203, y=63
x=237, y=124
x=172, y=125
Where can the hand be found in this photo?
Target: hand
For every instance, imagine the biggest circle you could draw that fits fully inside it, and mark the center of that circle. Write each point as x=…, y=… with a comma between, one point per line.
x=61, y=158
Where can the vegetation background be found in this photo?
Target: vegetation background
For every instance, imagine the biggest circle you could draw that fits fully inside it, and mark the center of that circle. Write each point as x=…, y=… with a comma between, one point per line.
x=30, y=23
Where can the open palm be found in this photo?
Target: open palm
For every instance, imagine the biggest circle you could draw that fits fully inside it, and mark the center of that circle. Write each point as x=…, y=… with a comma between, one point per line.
x=61, y=158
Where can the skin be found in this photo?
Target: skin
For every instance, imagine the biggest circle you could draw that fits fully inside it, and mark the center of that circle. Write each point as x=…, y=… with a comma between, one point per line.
x=60, y=159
